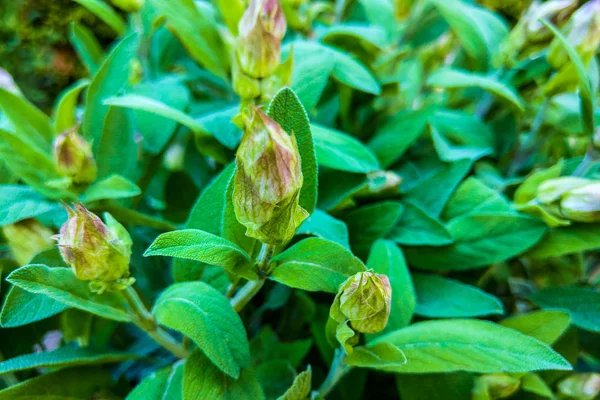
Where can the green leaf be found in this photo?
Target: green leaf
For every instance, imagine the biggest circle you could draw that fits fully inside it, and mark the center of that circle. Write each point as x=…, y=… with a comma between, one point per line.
x=445, y=386
x=61, y=285
x=112, y=187
x=111, y=78
x=22, y=307
x=479, y=240
x=479, y=30
x=197, y=31
x=164, y=384
x=386, y=258
x=382, y=356
x=449, y=152
x=565, y=240
x=403, y=130
x=203, y=381
x=155, y=129
x=585, y=88
x=87, y=46
x=203, y=314
x=339, y=151
x=63, y=357
x=19, y=202
x=105, y=13
x=453, y=78
x=582, y=304
x=439, y=297
x=287, y=111
x=29, y=123
x=64, y=113
x=533, y=383
x=315, y=264
x=433, y=191
x=545, y=325
x=470, y=345
x=266, y=347
x=474, y=197
x=68, y=384
x=323, y=225
x=369, y=223
x=194, y=244
x=115, y=153
x=301, y=388
x=337, y=187
x=416, y=227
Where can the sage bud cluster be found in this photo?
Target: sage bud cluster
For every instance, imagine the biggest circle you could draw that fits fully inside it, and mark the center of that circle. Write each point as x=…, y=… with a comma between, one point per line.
x=572, y=198
x=27, y=238
x=584, y=386
x=268, y=180
x=73, y=157
x=498, y=385
x=258, y=47
x=363, y=300
x=96, y=251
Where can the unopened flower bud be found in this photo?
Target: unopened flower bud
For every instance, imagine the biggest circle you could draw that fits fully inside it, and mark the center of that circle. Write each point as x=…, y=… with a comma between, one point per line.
x=128, y=5
x=582, y=204
x=261, y=30
x=95, y=251
x=500, y=385
x=27, y=238
x=552, y=189
x=267, y=181
x=585, y=386
x=73, y=157
x=364, y=300
x=583, y=33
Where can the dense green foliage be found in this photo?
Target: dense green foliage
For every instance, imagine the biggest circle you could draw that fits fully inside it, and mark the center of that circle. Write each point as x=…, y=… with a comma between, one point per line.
x=300, y=199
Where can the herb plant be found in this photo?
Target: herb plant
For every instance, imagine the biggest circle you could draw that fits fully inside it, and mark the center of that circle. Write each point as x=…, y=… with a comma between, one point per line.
x=298, y=199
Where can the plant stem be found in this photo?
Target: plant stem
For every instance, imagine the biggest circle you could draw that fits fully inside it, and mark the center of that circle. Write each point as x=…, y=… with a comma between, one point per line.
x=590, y=158
x=146, y=321
x=250, y=289
x=246, y=293
x=337, y=370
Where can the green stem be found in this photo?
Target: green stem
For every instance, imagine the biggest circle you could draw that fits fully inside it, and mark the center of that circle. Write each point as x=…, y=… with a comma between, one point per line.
x=146, y=321
x=590, y=158
x=246, y=293
x=337, y=370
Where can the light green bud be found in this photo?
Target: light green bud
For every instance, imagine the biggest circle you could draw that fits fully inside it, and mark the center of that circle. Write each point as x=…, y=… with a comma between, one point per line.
x=582, y=204
x=585, y=386
x=500, y=385
x=96, y=251
x=261, y=30
x=128, y=5
x=364, y=300
x=27, y=238
x=267, y=181
x=73, y=157
x=552, y=189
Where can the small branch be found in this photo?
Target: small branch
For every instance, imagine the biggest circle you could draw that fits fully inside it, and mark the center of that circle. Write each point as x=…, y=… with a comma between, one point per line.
x=337, y=370
x=146, y=321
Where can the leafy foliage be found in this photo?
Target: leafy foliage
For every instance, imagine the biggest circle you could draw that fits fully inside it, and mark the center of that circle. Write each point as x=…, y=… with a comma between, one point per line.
x=303, y=200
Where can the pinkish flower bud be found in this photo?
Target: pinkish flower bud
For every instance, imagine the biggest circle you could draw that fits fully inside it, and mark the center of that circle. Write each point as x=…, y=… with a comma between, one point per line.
x=95, y=251
x=268, y=180
x=73, y=157
x=261, y=30
x=365, y=301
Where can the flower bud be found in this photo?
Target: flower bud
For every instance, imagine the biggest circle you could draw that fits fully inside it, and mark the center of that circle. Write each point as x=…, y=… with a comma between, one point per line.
x=500, y=385
x=261, y=30
x=27, y=238
x=267, y=181
x=364, y=300
x=583, y=33
x=552, y=189
x=585, y=386
x=582, y=204
x=95, y=251
x=128, y=5
x=73, y=157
